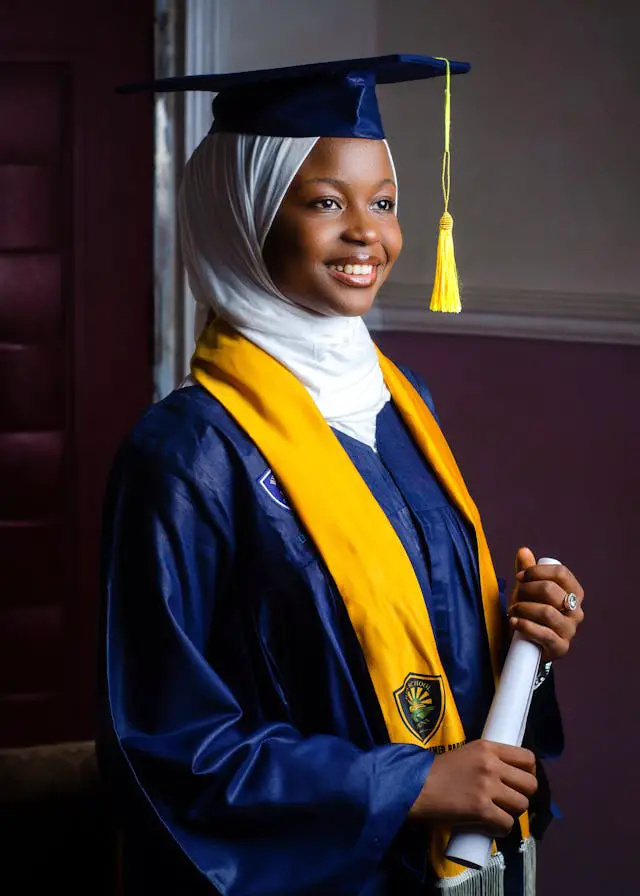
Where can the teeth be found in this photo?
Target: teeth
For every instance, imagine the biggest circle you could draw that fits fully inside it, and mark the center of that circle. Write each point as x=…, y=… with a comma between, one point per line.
x=360, y=270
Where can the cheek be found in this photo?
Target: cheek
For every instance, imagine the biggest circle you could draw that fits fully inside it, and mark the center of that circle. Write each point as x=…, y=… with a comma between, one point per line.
x=292, y=250
x=278, y=250
x=392, y=239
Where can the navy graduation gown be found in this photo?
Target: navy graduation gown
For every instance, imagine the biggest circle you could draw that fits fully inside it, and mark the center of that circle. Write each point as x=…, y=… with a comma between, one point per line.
x=240, y=732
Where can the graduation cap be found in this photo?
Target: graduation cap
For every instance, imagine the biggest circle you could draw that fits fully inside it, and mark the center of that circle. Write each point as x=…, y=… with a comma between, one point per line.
x=327, y=99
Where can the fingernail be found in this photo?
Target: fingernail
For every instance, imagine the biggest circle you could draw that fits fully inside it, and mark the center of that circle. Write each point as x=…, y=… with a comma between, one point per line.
x=520, y=575
x=513, y=621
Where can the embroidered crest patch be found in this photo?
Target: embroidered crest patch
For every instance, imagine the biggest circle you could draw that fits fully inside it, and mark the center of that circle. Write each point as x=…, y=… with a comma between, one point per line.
x=421, y=701
x=270, y=484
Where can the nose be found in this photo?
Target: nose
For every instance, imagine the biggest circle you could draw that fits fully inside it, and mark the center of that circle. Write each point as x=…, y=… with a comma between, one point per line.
x=361, y=227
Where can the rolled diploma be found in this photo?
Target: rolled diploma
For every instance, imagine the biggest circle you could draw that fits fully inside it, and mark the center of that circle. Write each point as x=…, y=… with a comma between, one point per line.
x=505, y=725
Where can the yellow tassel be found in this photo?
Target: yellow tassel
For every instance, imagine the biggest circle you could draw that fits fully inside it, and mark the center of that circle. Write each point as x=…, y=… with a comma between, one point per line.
x=446, y=289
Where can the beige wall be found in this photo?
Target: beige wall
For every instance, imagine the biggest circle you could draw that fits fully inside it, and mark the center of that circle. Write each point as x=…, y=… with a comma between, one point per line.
x=289, y=32
x=546, y=141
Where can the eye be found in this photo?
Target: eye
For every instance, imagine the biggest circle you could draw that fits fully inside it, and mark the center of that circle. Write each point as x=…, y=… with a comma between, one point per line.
x=326, y=204
x=385, y=205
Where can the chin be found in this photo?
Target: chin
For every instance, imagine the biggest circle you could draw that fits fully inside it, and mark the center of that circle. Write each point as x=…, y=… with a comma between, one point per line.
x=351, y=311
x=354, y=305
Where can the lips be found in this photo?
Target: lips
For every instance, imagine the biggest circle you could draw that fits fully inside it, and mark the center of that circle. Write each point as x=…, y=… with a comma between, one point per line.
x=357, y=280
x=357, y=271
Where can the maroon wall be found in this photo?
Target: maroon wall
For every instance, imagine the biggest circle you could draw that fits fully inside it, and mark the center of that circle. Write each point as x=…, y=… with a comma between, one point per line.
x=548, y=437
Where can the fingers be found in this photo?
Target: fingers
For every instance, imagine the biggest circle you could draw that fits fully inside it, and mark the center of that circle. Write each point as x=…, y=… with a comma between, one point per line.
x=542, y=592
x=482, y=786
x=495, y=822
x=537, y=608
x=509, y=787
x=518, y=781
x=562, y=624
x=552, y=645
x=524, y=559
x=552, y=573
x=511, y=801
x=517, y=785
x=516, y=757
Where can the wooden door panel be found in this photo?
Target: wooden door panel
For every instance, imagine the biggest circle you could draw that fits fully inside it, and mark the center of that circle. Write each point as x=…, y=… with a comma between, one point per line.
x=32, y=470
x=31, y=304
x=34, y=402
x=76, y=213
x=30, y=103
x=34, y=239
x=33, y=563
x=29, y=215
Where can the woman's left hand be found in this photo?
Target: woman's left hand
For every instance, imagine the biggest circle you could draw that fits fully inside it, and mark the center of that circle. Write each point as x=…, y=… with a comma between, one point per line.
x=537, y=608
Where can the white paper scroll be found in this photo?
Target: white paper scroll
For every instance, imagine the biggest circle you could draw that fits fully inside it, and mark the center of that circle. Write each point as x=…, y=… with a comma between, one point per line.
x=505, y=725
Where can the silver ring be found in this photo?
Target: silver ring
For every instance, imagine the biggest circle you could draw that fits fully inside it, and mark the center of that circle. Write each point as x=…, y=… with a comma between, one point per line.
x=570, y=602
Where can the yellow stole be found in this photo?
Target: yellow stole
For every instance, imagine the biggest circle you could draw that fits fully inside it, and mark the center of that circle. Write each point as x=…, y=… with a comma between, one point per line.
x=354, y=537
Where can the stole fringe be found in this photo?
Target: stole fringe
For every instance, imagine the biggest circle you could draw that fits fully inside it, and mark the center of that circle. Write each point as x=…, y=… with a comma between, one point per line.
x=528, y=850
x=489, y=881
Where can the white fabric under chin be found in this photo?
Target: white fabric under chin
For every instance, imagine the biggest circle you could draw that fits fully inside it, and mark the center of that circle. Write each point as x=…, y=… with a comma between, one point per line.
x=489, y=881
x=232, y=187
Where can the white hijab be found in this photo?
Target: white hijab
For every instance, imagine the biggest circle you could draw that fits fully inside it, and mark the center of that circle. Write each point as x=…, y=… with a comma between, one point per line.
x=232, y=187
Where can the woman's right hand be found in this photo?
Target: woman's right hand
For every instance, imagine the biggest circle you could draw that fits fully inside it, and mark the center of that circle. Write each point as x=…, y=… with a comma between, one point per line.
x=483, y=786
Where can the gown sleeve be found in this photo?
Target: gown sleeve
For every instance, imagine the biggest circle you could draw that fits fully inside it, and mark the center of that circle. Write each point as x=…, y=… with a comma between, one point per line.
x=253, y=805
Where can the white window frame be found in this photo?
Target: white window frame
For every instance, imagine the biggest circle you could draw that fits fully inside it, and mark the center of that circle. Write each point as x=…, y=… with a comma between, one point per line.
x=206, y=35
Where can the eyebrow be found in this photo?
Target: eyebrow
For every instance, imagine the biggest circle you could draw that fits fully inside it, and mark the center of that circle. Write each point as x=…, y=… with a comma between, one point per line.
x=341, y=183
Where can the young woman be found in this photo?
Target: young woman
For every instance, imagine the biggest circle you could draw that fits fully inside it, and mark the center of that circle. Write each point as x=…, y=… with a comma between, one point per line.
x=303, y=627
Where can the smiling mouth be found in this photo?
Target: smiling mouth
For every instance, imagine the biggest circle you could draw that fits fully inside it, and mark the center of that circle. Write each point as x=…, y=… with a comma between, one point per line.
x=358, y=275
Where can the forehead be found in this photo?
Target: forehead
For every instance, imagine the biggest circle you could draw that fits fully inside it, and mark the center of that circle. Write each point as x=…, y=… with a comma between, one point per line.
x=348, y=159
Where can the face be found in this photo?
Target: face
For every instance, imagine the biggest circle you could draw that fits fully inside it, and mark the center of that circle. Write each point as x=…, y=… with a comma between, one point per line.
x=336, y=236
